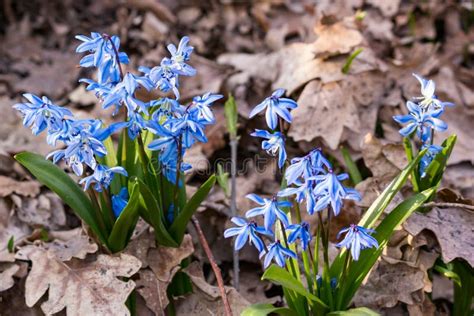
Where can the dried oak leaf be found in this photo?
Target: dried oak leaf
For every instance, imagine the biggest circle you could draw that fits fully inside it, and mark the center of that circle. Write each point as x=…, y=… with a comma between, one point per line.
x=335, y=39
x=389, y=283
x=6, y=275
x=10, y=227
x=205, y=299
x=453, y=227
x=46, y=210
x=163, y=262
x=82, y=287
x=69, y=244
x=25, y=188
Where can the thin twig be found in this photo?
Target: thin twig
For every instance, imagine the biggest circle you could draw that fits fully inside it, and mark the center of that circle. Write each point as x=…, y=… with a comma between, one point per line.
x=449, y=204
x=215, y=267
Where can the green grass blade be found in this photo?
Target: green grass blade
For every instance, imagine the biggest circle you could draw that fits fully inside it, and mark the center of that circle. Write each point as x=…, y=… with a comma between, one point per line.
x=266, y=309
x=354, y=172
x=60, y=183
x=360, y=311
x=347, y=66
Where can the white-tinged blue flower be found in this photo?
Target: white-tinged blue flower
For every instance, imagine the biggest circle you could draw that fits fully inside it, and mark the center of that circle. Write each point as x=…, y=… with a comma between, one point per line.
x=278, y=253
x=270, y=209
x=201, y=106
x=420, y=120
x=40, y=114
x=189, y=127
x=273, y=145
x=164, y=77
x=166, y=143
x=102, y=177
x=169, y=167
x=330, y=191
x=301, y=232
x=356, y=239
x=311, y=164
x=246, y=231
x=180, y=55
x=275, y=106
x=119, y=201
x=428, y=157
x=428, y=98
x=166, y=108
x=135, y=124
x=303, y=192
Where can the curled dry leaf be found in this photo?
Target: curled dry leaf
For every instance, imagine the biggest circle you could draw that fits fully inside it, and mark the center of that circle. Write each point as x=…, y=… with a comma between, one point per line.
x=6, y=275
x=70, y=244
x=82, y=287
x=205, y=299
x=163, y=263
x=25, y=188
x=453, y=227
x=45, y=210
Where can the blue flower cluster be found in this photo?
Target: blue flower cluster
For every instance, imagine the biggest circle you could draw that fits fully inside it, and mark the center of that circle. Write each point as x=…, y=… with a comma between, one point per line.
x=423, y=120
x=311, y=181
x=176, y=127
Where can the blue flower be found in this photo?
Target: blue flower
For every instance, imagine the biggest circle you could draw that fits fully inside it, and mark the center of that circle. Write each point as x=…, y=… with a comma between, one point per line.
x=169, y=167
x=428, y=157
x=102, y=177
x=301, y=232
x=40, y=114
x=420, y=120
x=274, y=143
x=330, y=191
x=275, y=106
x=180, y=55
x=428, y=98
x=166, y=143
x=119, y=202
x=357, y=238
x=270, y=209
x=189, y=127
x=246, y=231
x=164, y=77
x=278, y=253
x=201, y=106
x=307, y=166
x=166, y=108
x=303, y=192
x=135, y=124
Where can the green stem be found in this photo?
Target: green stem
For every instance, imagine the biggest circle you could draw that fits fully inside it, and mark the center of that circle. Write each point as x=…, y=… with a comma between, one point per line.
x=178, y=172
x=342, y=279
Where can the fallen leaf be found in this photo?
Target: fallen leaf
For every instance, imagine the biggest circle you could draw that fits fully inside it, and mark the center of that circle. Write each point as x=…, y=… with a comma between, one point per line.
x=335, y=39
x=388, y=8
x=453, y=227
x=72, y=244
x=25, y=188
x=82, y=287
x=45, y=210
x=10, y=227
x=206, y=299
x=6, y=275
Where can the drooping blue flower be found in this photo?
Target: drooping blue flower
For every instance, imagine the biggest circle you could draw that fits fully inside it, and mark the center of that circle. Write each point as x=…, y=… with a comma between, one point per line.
x=303, y=192
x=167, y=107
x=102, y=177
x=420, y=120
x=356, y=239
x=201, y=106
x=135, y=124
x=163, y=77
x=119, y=201
x=169, y=167
x=330, y=191
x=301, y=232
x=278, y=253
x=246, y=231
x=428, y=98
x=428, y=157
x=270, y=209
x=311, y=164
x=273, y=145
x=189, y=127
x=40, y=114
x=166, y=143
x=275, y=106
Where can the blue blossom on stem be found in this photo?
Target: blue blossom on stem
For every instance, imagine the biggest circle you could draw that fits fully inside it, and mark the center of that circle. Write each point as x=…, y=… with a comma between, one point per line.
x=330, y=191
x=428, y=98
x=189, y=127
x=275, y=107
x=303, y=192
x=40, y=114
x=166, y=143
x=421, y=121
x=311, y=164
x=201, y=106
x=301, y=232
x=246, y=231
x=119, y=202
x=273, y=145
x=270, y=209
x=356, y=239
x=180, y=55
x=102, y=177
x=278, y=253
x=428, y=157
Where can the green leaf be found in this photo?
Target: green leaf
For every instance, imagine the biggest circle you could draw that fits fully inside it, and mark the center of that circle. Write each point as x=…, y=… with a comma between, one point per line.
x=358, y=270
x=463, y=294
x=434, y=172
x=59, y=182
x=282, y=277
x=360, y=311
x=126, y=222
x=354, y=172
x=11, y=244
x=378, y=207
x=152, y=213
x=178, y=227
x=347, y=66
x=110, y=160
x=231, y=115
x=265, y=309
x=223, y=179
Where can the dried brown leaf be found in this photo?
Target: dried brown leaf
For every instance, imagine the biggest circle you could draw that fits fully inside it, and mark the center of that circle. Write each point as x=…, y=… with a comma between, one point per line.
x=453, y=227
x=84, y=288
x=335, y=39
x=25, y=188
x=6, y=275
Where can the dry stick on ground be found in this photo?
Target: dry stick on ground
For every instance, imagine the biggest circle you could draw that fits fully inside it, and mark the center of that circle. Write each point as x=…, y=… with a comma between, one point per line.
x=215, y=267
x=446, y=204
